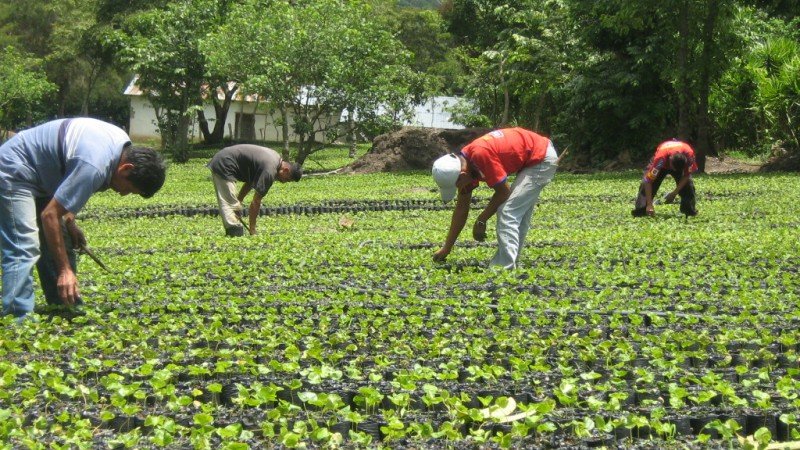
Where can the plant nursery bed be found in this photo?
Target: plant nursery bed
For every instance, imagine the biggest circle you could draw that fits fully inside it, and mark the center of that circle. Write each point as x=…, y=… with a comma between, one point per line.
x=334, y=328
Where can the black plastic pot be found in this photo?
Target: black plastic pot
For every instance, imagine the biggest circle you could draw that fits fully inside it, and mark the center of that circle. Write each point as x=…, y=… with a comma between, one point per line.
x=342, y=428
x=756, y=421
x=371, y=428
x=683, y=426
x=699, y=423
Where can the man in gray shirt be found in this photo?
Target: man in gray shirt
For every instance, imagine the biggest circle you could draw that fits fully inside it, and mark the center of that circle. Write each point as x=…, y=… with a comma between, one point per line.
x=47, y=174
x=258, y=167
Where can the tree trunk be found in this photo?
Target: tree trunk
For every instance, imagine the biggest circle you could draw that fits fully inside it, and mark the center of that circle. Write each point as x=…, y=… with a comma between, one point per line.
x=160, y=123
x=684, y=85
x=182, y=139
x=301, y=149
x=221, y=113
x=506, y=105
x=537, y=113
x=506, y=96
x=704, y=145
x=351, y=132
x=202, y=122
x=174, y=128
x=285, y=132
x=93, y=75
x=63, y=92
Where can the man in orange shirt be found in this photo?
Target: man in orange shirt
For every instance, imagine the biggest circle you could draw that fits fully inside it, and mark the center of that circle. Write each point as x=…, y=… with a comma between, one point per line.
x=675, y=158
x=491, y=159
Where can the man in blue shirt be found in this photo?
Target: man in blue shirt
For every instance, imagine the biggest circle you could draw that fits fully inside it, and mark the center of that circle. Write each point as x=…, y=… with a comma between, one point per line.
x=47, y=174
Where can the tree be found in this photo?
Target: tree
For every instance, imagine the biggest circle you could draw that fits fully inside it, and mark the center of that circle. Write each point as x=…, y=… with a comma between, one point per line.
x=162, y=47
x=77, y=53
x=254, y=48
x=28, y=24
x=756, y=101
x=72, y=41
x=371, y=73
x=776, y=69
x=310, y=60
x=23, y=86
x=424, y=34
x=518, y=57
x=676, y=48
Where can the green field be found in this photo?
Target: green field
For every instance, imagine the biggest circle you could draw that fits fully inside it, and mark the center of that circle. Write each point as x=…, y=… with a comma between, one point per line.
x=333, y=327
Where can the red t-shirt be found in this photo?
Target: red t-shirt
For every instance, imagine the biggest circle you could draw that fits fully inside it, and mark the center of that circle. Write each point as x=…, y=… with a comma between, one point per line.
x=664, y=151
x=502, y=152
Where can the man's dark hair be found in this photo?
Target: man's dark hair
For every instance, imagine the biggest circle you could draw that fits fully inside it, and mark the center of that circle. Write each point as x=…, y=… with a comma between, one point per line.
x=295, y=171
x=678, y=162
x=148, y=172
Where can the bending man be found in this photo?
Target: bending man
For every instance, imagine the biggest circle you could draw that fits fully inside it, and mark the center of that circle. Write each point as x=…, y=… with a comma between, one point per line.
x=675, y=158
x=258, y=167
x=47, y=174
x=491, y=159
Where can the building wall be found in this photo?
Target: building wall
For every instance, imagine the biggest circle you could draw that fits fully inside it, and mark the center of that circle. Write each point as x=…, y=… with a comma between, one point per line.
x=434, y=114
x=143, y=121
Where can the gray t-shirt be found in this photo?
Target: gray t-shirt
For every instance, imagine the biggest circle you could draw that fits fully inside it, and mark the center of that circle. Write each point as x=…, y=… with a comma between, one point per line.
x=70, y=166
x=247, y=163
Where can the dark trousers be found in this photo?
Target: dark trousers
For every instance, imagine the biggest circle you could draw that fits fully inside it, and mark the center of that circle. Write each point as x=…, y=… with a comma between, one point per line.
x=687, y=194
x=46, y=266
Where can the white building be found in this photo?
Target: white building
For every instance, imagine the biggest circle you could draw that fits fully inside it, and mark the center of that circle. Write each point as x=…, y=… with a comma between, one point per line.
x=434, y=113
x=248, y=118
x=251, y=119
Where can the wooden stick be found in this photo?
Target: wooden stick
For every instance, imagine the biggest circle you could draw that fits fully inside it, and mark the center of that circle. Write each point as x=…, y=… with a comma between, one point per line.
x=563, y=154
x=241, y=219
x=94, y=257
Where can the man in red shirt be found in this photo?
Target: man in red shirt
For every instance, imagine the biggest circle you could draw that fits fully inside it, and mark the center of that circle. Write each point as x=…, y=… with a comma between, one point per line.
x=491, y=159
x=675, y=158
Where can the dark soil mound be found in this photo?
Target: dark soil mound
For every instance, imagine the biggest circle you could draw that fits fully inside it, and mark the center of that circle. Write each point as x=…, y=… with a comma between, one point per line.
x=789, y=162
x=412, y=149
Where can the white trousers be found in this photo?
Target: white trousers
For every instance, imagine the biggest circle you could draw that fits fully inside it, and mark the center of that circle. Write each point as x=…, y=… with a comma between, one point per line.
x=227, y=201
x=514, y=216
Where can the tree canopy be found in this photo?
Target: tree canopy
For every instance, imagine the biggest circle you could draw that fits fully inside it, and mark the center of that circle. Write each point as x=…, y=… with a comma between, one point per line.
x=311, y=60
x=23, y=88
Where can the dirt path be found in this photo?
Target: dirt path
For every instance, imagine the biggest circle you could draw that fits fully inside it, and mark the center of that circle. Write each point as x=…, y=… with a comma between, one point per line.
x=727, y=165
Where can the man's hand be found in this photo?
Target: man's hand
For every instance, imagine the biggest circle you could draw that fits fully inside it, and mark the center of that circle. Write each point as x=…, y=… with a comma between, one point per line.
x=651, y=210
x=441, y=255
x=479, y=230
x=68, y=287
